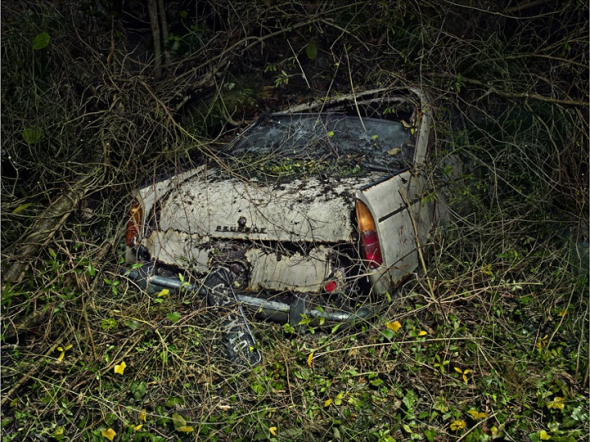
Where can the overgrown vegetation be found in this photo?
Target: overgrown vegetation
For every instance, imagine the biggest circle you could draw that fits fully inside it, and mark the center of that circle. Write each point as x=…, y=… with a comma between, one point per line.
x=489, y=342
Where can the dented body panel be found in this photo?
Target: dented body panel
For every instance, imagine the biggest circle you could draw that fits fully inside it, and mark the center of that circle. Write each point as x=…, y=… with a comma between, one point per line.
x=298, y=235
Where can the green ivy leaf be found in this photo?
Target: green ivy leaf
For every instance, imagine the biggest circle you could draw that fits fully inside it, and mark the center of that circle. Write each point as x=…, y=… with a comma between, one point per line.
x=387, y=333
x=178, y=420
x=132, y=324
x=41, y=41
x=33, y=135
x=173, y=400
x=174, y=316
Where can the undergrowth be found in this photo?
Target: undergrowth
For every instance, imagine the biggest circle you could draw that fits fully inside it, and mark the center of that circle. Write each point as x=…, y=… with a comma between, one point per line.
x=489, y=341
x=501, y=353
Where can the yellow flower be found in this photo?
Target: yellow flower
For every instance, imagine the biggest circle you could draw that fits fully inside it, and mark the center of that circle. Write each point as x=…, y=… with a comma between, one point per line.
x=63, y=351
x=542, y=342
x=309, y=359
x=137, y=427
x=393, y=326
x=142, y=415
x=543, y=435
x=463, y=373
x=273, y=430
x=120, y=369
x=458, y=425
x=109, y=434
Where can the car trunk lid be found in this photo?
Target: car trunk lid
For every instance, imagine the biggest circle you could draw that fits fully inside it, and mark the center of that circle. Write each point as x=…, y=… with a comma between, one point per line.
x=302, y=210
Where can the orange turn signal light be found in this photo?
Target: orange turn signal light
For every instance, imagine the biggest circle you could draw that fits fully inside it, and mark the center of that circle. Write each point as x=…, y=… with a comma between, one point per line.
x=134, y=224
x=365, y=219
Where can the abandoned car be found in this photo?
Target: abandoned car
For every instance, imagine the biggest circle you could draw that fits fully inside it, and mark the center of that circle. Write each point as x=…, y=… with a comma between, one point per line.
x=304, y=218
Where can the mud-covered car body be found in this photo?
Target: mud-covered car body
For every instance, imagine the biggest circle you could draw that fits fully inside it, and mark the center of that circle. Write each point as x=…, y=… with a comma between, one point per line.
x=310, y=216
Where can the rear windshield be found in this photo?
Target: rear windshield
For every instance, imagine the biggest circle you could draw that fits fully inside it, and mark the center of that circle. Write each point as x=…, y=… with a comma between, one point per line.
x=310, y=144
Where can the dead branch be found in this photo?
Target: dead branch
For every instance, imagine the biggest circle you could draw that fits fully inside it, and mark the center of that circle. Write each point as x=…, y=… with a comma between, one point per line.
x=494, y=90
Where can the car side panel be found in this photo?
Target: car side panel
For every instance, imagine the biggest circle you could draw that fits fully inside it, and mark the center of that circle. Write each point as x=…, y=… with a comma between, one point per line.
x=396, y=226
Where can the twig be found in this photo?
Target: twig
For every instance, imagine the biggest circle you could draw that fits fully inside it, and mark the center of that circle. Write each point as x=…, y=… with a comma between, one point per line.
x=420, y=255
x=299, y=63
x=481, y=422
x=29, y=373
x=383, y=344
x=356, y=105
x=492, y=89
x=341, y=98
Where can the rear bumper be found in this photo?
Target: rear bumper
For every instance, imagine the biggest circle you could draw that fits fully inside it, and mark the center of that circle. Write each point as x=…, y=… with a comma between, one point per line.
x=284, y=312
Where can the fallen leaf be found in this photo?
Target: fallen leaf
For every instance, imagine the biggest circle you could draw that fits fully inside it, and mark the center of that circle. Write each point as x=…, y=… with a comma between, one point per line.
x=394, y=151
x=164, y=293
x=120, y=369
x=137, y=427
x=185, y=429
x=309, y=359
x=422, y=333
x=142, y=414
x=556, y=404
x=338, y=399
x=20, y=208
x=477, y=415
x=394, y=326
x=458, y=425
x=109, y=434
x=327, y=403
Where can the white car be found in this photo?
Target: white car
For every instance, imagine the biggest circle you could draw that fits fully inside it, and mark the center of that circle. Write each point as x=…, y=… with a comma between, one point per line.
x=303, y=218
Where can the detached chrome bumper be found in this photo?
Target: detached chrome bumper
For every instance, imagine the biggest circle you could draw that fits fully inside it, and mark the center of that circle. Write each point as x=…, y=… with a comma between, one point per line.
x=279, y=311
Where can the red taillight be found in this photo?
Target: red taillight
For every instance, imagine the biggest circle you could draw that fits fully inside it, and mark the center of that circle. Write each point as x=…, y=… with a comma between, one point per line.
x=133, y=225
x=369, y=237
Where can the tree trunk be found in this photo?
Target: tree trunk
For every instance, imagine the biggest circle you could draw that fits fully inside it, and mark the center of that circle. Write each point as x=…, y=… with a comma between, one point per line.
x=49, y=223
x=153, y=10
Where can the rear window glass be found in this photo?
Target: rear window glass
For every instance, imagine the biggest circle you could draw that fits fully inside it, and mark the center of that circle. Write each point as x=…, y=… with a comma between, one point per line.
x=297, y=145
